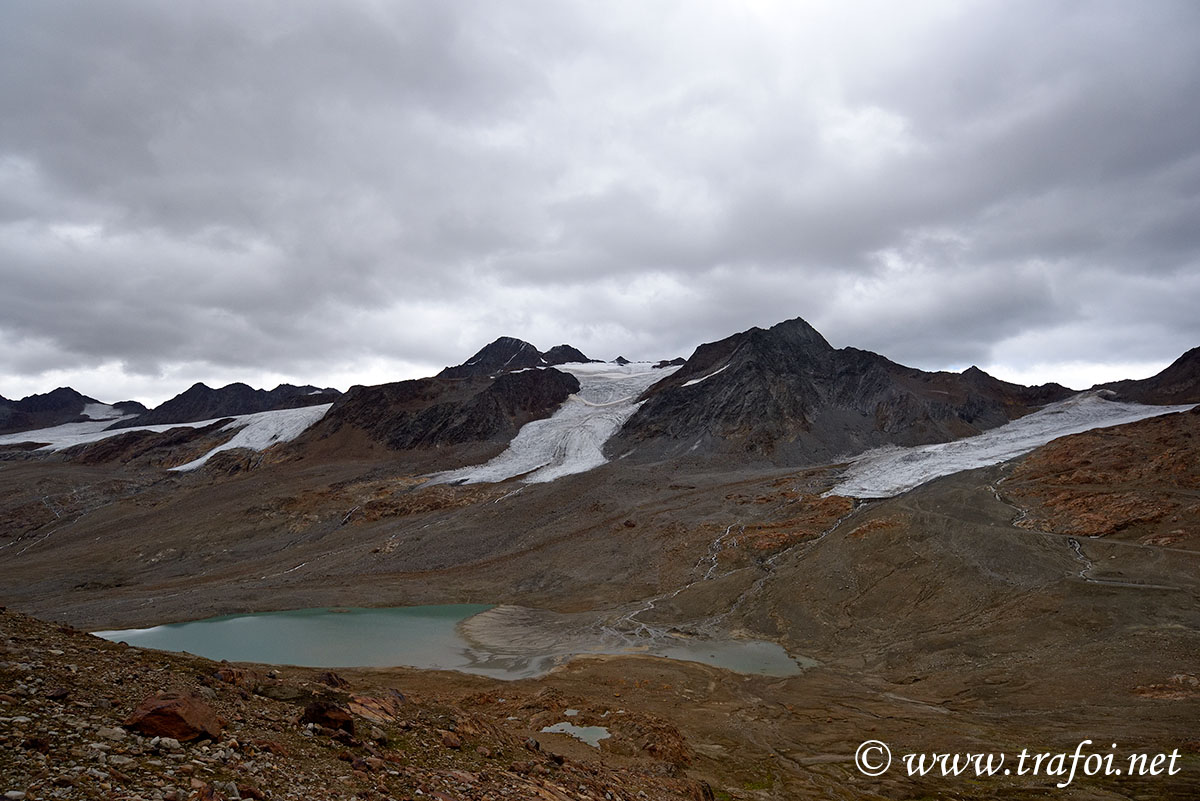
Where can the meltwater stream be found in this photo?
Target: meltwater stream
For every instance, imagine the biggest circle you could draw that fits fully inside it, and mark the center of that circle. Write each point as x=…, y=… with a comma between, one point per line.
x=500, y=642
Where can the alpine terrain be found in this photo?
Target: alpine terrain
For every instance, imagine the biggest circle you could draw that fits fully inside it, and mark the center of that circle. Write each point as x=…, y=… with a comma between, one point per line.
x=537, y=575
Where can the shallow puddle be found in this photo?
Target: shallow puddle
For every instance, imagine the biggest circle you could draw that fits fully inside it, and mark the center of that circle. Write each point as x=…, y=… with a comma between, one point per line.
x=592, y=735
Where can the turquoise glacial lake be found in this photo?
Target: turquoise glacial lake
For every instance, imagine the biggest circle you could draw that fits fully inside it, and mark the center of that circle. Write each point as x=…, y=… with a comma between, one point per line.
x=425, y=637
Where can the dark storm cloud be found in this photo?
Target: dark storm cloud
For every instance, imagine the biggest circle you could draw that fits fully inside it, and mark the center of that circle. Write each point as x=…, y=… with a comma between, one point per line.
x=360, y=191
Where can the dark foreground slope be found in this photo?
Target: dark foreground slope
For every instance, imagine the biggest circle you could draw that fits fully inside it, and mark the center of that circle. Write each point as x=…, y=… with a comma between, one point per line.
x=784, y=394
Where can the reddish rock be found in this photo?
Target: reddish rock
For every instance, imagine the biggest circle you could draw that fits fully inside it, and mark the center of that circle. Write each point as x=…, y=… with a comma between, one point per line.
x=450, y=739
x=272, y=747
x=206, y=792
x=177, y=715
x=378, y=709
x=329, y=715
x=332, y=679
x=238, y=677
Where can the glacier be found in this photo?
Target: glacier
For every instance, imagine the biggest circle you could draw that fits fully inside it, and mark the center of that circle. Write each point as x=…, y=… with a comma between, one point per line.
x=255, y=431
x=572, y=439
x=884, y=472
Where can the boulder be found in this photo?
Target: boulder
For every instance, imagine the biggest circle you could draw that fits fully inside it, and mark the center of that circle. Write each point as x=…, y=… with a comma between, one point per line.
x=330, y=715
x=332, y=679
x=378, y=709
x=181, y=716
x=238, y=677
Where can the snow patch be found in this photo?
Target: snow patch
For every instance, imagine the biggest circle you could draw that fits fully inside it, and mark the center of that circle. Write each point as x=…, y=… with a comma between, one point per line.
x=260, y=431
x=102, y=411
x=695, y=381
x=572, y=440
x=884, y=472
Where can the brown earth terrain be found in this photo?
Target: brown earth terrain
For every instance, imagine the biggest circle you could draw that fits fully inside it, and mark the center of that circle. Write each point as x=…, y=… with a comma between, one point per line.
x=975, y=613
x=1138, y=482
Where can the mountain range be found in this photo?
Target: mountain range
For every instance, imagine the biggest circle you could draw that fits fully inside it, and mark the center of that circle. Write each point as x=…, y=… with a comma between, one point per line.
x=200, y=402
x=781, y=395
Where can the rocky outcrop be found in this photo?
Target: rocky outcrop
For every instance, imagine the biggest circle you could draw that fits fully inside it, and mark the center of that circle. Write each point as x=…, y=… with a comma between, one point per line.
x=507, y=354
x=1178, y=383
x=430, y=412
x=201, y=402
x=786, y=395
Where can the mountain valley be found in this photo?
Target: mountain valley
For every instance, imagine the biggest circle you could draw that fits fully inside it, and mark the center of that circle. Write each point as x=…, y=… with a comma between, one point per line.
x=955, y=562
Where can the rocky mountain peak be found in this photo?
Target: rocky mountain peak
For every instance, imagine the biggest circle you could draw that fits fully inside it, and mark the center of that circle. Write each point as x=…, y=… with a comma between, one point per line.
x=796, y=333
x=57, y=399
x=563, y=354
x=784, y=394
x=1178, y=383
x=509, y=353
x=201, y=402
x=62, y=405
x=505, y=353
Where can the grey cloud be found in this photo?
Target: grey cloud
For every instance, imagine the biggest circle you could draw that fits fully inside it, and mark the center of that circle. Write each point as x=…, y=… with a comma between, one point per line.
x=288, y=188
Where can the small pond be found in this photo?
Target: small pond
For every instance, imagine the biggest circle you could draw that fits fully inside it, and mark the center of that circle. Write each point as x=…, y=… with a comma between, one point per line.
x=592, y=735
x=427, y=637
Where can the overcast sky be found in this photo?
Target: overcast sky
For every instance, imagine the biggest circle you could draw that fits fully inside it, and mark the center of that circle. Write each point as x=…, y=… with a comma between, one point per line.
x=356, y=192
